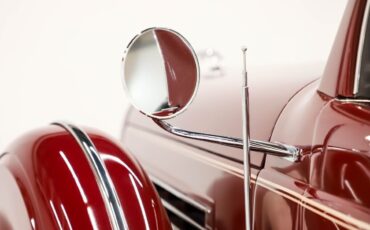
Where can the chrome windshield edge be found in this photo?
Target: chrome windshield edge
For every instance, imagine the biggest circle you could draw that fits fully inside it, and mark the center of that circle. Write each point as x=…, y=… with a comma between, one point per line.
x=179, y=194
x=352, y=100
x=105, y=184
x=360, y=50
x=288, y=152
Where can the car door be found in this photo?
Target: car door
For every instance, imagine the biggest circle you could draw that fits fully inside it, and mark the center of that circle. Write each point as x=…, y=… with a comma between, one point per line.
x=338, y=195
x=281, y=184
x=330, y=121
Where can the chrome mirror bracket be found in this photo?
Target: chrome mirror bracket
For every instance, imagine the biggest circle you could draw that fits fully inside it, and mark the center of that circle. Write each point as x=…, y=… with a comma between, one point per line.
x=288, y=152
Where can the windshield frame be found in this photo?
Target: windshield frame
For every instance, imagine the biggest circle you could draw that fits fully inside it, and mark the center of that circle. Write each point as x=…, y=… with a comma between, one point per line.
x=363, y=58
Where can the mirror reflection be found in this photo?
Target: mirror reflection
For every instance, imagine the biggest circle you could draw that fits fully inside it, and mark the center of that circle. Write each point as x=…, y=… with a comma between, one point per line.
x=160, y=73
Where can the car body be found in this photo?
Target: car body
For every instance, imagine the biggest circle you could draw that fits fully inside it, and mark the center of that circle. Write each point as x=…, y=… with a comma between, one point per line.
x=326, y=115
x=64, y=177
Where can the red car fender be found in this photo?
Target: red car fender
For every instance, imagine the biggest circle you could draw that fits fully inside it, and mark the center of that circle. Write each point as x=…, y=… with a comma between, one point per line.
x=54, y=185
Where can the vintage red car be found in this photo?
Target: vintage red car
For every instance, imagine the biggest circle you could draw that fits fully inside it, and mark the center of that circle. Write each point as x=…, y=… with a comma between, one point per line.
x=327, y=117
x=278, y=149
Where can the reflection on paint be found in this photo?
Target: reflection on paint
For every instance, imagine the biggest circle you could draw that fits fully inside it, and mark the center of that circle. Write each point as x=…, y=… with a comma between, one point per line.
x=33, y=223
x=119, y=161
x=66, y=216
x=92, y=218
x=140, y=202
x=352, y=191
x=84, y=198
x=55, y=214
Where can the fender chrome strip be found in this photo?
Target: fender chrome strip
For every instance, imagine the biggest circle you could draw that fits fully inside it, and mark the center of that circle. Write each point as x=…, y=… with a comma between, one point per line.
x=105, y=184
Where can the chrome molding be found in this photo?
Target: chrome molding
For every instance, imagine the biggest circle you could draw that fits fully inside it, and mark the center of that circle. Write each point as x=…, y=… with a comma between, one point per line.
x=109, y=194
x=350, y=100
x=180, y=214
x=207, y=210
x=360, y=49
x=288, y=152
x=179, y=194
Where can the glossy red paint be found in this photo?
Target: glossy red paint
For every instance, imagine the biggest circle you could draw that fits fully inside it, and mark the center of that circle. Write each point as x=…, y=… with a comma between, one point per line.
x=336, y=163
x=181, y=68
x=341, y=163
x=327, y=189
x=225, y=117
x=213, y=181
x=277, y=199
x=333, y=133
x=209, y=173
x=60, y=191
x=139, y=199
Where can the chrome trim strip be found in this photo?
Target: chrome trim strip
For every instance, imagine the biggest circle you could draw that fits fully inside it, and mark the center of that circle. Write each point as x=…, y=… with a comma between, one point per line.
x=360, y=49
x=347, y=100
x=179, y=194
x=105, y=184
x=206, y=209
x=181, y=215
x=288, y=152
x=199, y=156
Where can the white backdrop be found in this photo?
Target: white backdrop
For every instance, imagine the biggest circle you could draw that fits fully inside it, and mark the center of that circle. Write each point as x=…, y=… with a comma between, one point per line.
x=60, y=60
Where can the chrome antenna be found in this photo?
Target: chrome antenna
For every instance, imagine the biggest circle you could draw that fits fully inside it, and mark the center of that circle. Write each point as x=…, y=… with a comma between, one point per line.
x=246, y=142
x=245, y=75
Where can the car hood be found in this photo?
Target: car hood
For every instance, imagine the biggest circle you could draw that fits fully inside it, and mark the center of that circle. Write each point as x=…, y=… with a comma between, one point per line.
x=217, y=108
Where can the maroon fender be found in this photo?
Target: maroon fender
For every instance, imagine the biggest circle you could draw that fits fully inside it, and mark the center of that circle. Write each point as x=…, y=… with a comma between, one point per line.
x=47, y=182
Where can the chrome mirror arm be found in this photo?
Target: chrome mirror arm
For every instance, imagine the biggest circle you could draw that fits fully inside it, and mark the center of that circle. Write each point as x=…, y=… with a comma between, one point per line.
x=281, y=150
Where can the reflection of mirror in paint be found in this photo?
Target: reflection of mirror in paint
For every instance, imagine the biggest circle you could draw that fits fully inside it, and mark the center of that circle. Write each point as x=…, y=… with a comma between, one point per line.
x=160, y=73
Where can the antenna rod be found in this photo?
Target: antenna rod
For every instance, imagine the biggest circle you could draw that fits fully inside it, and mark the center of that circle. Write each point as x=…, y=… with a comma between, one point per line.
x=246, y=142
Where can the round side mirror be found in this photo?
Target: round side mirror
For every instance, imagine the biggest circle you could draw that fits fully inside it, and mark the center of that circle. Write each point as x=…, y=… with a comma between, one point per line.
x=160, y=73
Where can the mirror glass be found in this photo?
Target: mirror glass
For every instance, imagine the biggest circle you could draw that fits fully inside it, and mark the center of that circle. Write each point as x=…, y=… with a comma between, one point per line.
x=160, y=73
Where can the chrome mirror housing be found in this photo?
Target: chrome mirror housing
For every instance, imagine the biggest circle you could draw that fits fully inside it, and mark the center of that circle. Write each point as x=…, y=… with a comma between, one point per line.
x=160, y=73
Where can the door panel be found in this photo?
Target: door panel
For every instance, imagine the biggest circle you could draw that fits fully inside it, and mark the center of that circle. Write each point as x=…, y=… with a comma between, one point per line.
x=340, y=168
x=282, y=182
x=277, y=201
x=335, y=166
